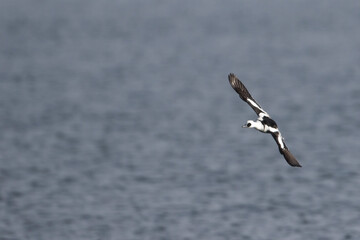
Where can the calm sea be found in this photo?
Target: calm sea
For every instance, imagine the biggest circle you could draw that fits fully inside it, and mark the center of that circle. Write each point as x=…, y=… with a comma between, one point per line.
x=117, y=120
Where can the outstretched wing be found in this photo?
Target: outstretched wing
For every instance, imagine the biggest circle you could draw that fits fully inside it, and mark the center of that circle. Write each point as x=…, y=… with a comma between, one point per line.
x=291, y=160
x=244, y=94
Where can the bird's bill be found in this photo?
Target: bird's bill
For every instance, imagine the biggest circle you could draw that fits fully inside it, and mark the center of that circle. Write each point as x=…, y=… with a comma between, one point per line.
x=244, y=126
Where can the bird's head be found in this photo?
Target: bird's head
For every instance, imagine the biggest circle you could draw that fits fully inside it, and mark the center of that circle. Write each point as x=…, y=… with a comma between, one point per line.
x=249, y=124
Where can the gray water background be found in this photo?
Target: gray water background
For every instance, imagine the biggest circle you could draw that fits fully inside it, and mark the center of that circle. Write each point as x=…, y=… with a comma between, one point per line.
x=117, y=120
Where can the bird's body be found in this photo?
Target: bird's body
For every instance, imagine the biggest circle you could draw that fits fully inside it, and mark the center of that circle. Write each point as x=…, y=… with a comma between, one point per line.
x=264, y=123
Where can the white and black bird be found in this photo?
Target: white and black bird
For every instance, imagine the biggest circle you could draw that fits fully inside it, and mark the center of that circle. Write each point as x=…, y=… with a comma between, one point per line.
x=264, y=123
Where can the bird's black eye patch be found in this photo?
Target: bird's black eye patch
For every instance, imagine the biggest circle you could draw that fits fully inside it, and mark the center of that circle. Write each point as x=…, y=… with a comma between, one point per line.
x=248, y=125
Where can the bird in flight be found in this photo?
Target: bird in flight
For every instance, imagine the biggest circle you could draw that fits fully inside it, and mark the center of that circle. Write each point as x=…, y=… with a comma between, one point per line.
x=264, y=123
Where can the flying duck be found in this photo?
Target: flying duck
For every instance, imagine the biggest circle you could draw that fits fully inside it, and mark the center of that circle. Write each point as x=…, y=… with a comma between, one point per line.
x=264, y=123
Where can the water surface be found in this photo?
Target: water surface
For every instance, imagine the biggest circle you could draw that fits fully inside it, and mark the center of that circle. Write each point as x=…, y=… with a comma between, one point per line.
x=117, y=120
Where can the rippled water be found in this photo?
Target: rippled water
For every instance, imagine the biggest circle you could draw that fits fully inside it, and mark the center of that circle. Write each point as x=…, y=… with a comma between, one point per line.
x=117, y=120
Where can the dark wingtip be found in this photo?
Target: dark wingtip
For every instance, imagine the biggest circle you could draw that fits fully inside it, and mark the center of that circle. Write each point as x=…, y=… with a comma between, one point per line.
x=232, y=79
x=298, y=165
x=291, y=160
x=231, y=75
